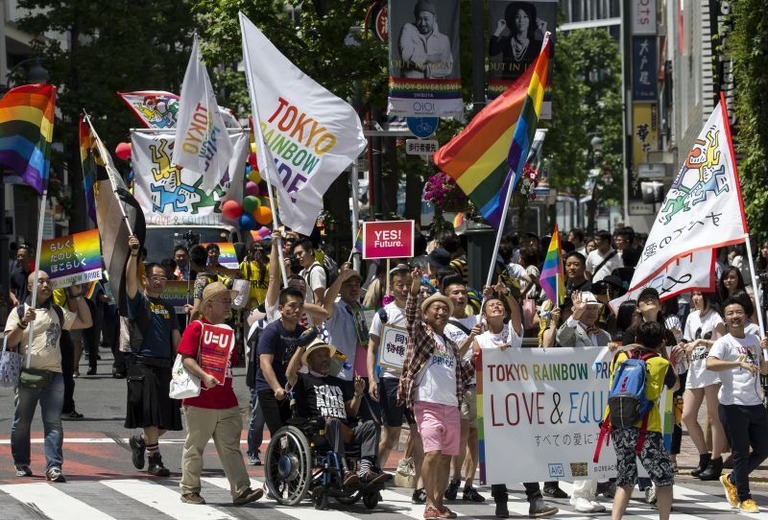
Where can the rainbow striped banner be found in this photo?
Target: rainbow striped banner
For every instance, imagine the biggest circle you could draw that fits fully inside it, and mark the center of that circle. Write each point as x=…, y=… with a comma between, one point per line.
x=88, y=166
x=505, y=127
x=228, y=256
x=359, y=239
x=72, y=259
x=26, y=132
x=552, y=280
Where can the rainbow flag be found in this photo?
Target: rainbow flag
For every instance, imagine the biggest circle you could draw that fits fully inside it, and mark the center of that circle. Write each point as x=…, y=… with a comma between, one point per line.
x=26, y=132
x=88, y=165
x=359, y=239
x=552, y=280
x=475, y=157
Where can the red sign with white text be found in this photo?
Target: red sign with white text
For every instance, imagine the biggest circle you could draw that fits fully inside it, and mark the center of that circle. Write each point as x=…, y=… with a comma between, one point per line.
x=388, y=239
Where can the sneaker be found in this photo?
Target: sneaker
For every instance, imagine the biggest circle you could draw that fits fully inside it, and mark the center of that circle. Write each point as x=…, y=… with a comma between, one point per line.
x=730, y=490
x=72, y=416
x=55, y=475
x=419, y=497
x=156, y=467
x=471, y=495
x=554, y=492
x=91, y=372
x=371, y=478
x=248, y=496
x=76, y=373
x=254, y=459
x=748, y=506
x=23, y=470
x=582, y=505
x=540, y=509
x=192, y=498
x=431, y=513
x=446, y=513
x=453, y=489
x=650, y=495
x=607, y=489
x=137, y=451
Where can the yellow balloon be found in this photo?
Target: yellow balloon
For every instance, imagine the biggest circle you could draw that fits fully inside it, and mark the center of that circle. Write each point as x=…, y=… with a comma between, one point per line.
x=253, y=147
x=254, y=176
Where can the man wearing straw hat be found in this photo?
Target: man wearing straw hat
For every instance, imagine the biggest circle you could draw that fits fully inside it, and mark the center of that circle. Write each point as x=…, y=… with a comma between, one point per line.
x=319, y=394
x=45, y=322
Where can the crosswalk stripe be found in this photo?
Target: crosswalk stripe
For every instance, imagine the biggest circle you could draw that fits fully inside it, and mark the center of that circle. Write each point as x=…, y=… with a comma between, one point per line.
x=52, y=502
x=165, y=500
x=303, y=512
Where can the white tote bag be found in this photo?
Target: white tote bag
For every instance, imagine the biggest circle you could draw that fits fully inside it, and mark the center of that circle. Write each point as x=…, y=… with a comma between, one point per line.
x=183, y=384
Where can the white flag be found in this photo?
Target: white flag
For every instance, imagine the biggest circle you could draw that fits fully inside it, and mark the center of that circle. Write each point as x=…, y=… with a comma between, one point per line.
x=202, y=142
x=306, y=136
x=703, y=209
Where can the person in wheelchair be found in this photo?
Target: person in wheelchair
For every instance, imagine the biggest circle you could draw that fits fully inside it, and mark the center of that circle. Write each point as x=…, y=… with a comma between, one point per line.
x=318, y=394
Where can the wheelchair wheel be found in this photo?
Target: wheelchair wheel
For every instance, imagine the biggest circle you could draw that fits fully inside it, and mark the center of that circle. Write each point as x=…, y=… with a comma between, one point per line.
x=371, y=500
x=288, y=466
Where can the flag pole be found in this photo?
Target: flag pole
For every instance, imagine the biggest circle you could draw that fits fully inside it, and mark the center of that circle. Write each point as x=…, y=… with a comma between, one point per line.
x=261, y=149
x=41, y=222
x=755, y=288
x=355, y=215
x=104, y=156
x=500, y=232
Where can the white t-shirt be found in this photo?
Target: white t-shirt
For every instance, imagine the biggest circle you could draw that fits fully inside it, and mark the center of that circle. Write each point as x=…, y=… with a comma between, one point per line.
x=739, y=385
x=396, y=317
x=437, y=380
x=696, y=327
x=458, y=336
x=507, y=336
x=314, y=275
x=516, y=271
x=595, y=259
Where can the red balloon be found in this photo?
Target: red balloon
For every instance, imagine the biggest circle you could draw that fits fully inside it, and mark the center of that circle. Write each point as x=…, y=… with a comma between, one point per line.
x=123, y=151
x=231, y=209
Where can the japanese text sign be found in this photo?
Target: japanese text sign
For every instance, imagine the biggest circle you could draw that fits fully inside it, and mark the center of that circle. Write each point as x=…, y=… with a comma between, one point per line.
x=392, y=347
x=388, y=239
x=72, y=259
x=644, y=67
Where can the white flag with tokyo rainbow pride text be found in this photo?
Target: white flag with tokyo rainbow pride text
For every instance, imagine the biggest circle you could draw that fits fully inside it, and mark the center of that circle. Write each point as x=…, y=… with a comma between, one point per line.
x=305, y=135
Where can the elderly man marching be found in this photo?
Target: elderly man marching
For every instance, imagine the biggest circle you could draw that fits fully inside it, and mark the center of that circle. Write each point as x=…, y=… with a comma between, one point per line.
x=434, y=376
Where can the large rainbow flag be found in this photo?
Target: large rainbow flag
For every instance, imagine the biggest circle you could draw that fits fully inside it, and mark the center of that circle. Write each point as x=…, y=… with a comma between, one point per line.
x=88, y=165
x=26, y=132
x=552, y=280
x=504, y=128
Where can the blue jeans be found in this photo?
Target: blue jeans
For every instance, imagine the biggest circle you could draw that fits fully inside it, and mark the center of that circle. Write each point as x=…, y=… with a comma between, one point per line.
x=51, y=400
x=255, y=425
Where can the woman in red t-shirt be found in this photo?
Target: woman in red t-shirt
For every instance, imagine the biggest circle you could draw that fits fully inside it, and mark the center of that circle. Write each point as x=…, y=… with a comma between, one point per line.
x=207, y=350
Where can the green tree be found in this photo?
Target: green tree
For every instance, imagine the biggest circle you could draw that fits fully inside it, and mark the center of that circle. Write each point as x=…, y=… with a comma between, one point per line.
x=748, y=44
x=112, y=46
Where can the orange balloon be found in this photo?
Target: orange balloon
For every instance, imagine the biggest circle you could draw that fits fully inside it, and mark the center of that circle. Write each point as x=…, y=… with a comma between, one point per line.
x=263, y=215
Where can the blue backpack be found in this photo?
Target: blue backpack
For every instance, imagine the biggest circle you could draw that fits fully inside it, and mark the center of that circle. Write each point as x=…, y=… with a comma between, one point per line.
x=627, y=403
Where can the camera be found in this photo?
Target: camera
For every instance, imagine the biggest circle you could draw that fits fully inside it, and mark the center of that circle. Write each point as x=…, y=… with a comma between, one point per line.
x=192, y=239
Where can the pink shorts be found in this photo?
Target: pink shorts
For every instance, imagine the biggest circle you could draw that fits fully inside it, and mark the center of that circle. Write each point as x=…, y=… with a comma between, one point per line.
x=439, y=427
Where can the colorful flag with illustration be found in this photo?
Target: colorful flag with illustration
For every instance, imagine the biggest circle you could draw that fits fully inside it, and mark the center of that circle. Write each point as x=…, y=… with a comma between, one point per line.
x=154, y=108
x=227, y=254
x=552, y=280
x=424, y=69
x=72, y=259
x=202, y=139
x=503, y=129
x=703, y=209
x=310, y=135
x=171, y=195
x=88, y=166
x=26, y=132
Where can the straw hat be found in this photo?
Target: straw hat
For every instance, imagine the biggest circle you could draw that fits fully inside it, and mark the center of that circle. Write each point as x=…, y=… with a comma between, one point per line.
x=317, y=344
x=214, y=289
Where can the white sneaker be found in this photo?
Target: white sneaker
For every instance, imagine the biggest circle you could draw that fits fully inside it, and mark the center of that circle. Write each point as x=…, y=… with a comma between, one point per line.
x=599, y=508
x=582, y=505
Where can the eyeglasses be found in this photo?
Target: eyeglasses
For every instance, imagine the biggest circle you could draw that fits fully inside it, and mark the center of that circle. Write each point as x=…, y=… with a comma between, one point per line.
x=158, y=279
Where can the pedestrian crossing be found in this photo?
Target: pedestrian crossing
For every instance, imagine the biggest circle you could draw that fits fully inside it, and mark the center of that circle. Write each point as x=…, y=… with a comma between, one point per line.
x=123, y=499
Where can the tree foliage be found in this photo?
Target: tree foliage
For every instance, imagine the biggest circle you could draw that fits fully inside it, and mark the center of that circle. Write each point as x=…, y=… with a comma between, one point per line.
x=748, y=45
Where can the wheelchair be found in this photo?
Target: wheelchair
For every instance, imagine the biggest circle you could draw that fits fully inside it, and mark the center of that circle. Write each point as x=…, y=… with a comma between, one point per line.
x=300, y=464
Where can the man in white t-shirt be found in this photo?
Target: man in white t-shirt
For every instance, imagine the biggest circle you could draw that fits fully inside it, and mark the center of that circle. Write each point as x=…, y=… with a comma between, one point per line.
x=434, y=376
x=311, y=270
x=382, y=387
x=604, y=259
x=738, y=359
x=462, y=330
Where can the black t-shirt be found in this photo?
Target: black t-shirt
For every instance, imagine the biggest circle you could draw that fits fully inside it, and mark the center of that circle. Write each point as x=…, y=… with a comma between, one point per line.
x=18, y=283
x=279, y=342
x=321, y=396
